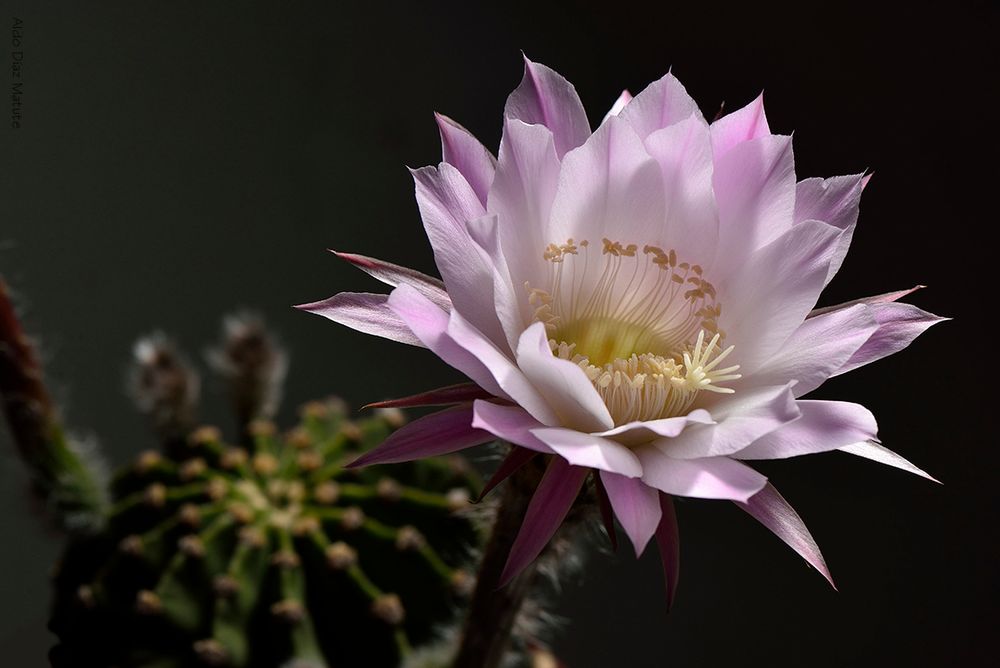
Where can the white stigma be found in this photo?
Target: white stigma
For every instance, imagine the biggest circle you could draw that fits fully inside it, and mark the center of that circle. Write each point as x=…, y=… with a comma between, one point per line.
x=640, y=336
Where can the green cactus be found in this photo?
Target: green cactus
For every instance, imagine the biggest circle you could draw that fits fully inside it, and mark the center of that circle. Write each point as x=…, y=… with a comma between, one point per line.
x=238, y=556
x=268, y=552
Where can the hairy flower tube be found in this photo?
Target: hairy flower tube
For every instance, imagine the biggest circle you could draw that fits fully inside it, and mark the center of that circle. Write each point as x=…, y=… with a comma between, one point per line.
x=636, y=302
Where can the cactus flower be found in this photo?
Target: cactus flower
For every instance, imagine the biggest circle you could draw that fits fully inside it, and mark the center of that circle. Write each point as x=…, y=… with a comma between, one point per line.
x=638, y=303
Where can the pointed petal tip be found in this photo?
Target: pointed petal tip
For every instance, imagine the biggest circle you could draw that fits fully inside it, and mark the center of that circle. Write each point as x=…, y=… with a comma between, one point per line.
x=309, y=307
x=357, y=463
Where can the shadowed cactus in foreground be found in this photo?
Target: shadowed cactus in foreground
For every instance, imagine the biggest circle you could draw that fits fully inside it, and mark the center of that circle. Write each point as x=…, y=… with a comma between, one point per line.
x=264, y=551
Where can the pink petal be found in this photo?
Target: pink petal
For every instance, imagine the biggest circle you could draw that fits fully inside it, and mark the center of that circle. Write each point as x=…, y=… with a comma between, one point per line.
x=898, y=325
x=365, y=312
x=771, y=296
x=707, y=478
x=511, y=423
x=754, y=186
x=447, y=203
x=835, y=201
x=589, y=450
x=741, y=126
x=876, y=299
x=824, y=425
x=604, y=183
x=462, y=150
x=740, y=419
x=430, y=324
x=817, y=349
x=544, y=97
x=684, y=154
x=521, y=196
x=634, y=433
x=668, y=540
x=660, y=105
x=515, y=459
x=435, y=434
x=883, y=455
x=548, y=508
x=442, y=396
x=619, y=105
x=564, y=385
x=512, y=307
x=394, y=275
x=636, y=505
x=459, y=344
x=507, y=376
x=771, y=510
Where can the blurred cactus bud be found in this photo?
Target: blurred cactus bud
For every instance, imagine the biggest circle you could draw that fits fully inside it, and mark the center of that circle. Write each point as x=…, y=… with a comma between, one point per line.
x=252, y=365
x=163, y=385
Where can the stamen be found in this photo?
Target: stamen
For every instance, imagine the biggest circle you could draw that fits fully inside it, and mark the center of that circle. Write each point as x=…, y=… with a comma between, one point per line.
x=639, y=332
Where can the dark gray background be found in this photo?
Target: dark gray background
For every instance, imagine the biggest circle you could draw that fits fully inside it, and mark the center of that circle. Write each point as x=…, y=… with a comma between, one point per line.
x=181, y=159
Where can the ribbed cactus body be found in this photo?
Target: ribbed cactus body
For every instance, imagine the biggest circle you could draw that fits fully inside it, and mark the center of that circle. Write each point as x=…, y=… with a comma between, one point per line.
x=268, y=552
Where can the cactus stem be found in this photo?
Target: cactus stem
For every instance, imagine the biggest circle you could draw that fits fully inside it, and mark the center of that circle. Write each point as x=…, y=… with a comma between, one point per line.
x=181, y=556
x=156, y=495
x=402, y=642
x=413, y=495
x=332, y=470
x=63, y=474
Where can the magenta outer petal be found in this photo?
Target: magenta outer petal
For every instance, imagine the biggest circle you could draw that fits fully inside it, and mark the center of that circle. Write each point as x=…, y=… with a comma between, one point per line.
x=364, y=312
x=771, y=510
x=564, y=384
x=435, y=434
x=708, y=478
x=898, y=325
x=589, y=450
x=447, y=202
x=741, y=126
x=394, y=275
x=511, y=423
x=824, y=426
x=741, y=419
x=462, y=150
x=636, y=505
x=442, y=396
x=515, y=459
x=544, y=97
x=754, y=186
x=883, y=455
x=660, y=105
x=548, y=508
x=884, y=298
x=668, y=540
x=817, y=349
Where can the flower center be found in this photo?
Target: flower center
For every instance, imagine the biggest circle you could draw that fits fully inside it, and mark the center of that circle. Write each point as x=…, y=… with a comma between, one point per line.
x=636, y=324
